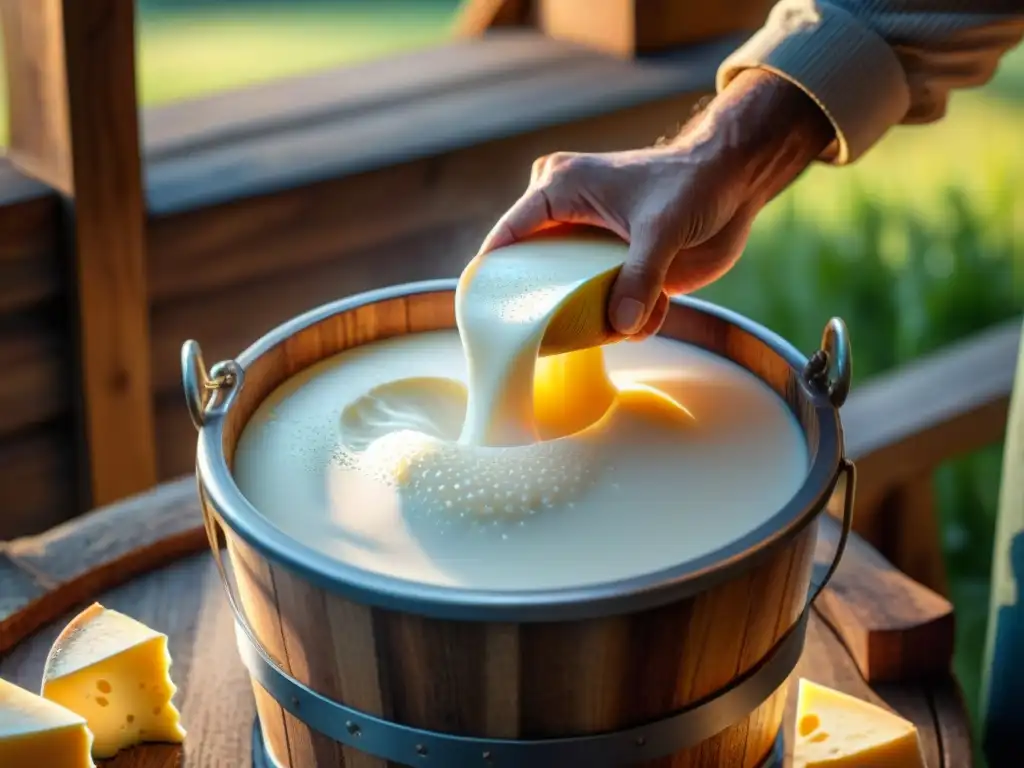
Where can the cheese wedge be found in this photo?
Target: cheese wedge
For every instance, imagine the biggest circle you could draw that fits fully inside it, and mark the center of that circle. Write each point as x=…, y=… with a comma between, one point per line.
x=835, y=730
x=114, y=671
x=36, y=733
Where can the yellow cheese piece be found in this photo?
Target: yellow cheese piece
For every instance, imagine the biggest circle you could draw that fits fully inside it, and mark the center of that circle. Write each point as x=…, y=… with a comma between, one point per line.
x=114, y=671
x=36, y=733
x=834, y=730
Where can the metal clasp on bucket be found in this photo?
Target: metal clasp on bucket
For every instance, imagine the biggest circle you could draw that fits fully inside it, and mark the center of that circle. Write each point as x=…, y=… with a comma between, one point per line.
x=830, y=369
x=208, y=393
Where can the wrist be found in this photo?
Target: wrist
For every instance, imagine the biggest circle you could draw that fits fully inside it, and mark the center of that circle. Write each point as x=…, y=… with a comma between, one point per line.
x=760, y=132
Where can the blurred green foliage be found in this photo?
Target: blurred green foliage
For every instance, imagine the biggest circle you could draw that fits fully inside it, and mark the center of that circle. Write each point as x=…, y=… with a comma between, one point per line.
x=918, y=245
x=908, y=279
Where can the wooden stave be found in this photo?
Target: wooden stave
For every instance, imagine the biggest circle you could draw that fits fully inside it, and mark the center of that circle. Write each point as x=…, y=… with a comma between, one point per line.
x=378, y=660
x=571, y=678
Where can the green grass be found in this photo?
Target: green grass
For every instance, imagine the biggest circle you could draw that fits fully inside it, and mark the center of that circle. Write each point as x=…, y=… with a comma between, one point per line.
x=188, y=54
x=921, y=243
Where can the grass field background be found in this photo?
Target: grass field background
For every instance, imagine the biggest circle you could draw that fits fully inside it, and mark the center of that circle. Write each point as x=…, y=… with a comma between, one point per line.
x=916, y=246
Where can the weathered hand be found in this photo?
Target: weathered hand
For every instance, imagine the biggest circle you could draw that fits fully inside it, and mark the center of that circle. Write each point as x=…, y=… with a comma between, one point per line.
x=685, y=226
x=685, y=208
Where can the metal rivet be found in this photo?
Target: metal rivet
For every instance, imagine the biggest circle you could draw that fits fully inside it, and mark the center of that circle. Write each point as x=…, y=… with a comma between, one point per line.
x=421, y=750
x=488, y=756
x=353, y=729
x=641, y=741
x=295, y=701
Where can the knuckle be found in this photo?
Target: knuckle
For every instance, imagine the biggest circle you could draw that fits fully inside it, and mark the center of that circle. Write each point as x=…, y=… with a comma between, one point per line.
x=538, y=168
x=558, y=164
x=561, y=161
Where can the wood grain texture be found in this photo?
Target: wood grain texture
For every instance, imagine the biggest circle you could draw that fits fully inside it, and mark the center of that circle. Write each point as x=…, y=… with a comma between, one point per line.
x=35, y=356
x=912, y=532
x=476, y=109
x=894, y=627
x=634, y=27
x=37, y=467
x=74, y=125
x=44, y=576
x=345, y=94
x=30, y=270
x=185, y=600
x=37, y=84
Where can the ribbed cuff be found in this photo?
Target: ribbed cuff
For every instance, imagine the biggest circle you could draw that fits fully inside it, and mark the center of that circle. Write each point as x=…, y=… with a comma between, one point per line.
x=849, y=71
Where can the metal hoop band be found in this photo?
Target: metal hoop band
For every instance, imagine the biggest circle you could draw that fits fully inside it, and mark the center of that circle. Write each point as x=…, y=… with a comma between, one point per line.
x=262, y=757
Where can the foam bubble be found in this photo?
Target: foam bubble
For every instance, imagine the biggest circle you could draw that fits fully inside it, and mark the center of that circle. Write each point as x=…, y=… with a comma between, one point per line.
x=444, y=478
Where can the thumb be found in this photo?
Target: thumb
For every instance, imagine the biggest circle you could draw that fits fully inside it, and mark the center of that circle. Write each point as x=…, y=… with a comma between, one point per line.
x=638, y=285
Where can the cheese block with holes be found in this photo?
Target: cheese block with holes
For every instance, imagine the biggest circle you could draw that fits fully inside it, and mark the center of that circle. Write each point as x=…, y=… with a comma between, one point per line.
x=835, y=730
x=38, y=733
x=115, y=672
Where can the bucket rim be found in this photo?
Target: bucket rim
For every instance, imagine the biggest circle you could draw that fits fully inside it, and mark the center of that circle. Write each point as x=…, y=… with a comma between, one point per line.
x=603, y=599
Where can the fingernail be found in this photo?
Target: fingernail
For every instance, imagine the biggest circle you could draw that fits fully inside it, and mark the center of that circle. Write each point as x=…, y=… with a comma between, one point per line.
x=629, y=314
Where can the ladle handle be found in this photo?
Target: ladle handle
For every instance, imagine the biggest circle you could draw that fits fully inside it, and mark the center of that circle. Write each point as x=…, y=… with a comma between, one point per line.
x=208, y=393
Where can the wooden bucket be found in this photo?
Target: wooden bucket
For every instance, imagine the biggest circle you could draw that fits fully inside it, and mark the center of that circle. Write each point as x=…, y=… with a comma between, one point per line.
x=686, y=667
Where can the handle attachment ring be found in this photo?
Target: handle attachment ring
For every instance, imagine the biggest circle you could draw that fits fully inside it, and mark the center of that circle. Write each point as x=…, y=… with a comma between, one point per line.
x=208, y=392
x=830, y=369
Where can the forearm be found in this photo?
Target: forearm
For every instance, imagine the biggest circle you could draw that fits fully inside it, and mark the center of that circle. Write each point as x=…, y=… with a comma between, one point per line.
x=871, y=64
x=761, y=133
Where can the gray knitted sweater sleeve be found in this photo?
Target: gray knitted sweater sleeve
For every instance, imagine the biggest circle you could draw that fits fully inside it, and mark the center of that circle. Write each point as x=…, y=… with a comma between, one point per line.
x=872, y=64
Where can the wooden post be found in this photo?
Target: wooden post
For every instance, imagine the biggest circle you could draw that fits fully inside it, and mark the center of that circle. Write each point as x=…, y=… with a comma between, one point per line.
x=632, y=27
x=913, y=534
x=475, y=17
x=74, y=125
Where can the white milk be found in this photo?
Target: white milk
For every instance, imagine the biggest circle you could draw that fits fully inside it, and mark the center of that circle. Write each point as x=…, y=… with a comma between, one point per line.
x=400, y=458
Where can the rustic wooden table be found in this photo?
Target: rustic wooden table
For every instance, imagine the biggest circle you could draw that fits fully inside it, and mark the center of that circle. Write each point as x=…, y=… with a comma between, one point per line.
x=147, y=558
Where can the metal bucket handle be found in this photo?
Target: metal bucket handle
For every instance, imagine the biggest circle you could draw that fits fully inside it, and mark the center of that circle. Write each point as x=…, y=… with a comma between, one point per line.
x=828, y=371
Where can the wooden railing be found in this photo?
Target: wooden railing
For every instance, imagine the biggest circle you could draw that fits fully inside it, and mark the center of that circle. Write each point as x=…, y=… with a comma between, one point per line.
x=901, y=426
x=74, y=126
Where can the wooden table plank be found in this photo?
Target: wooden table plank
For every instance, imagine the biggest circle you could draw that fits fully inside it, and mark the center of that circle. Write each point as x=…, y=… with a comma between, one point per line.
x=186, y=601
x=43, y=576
